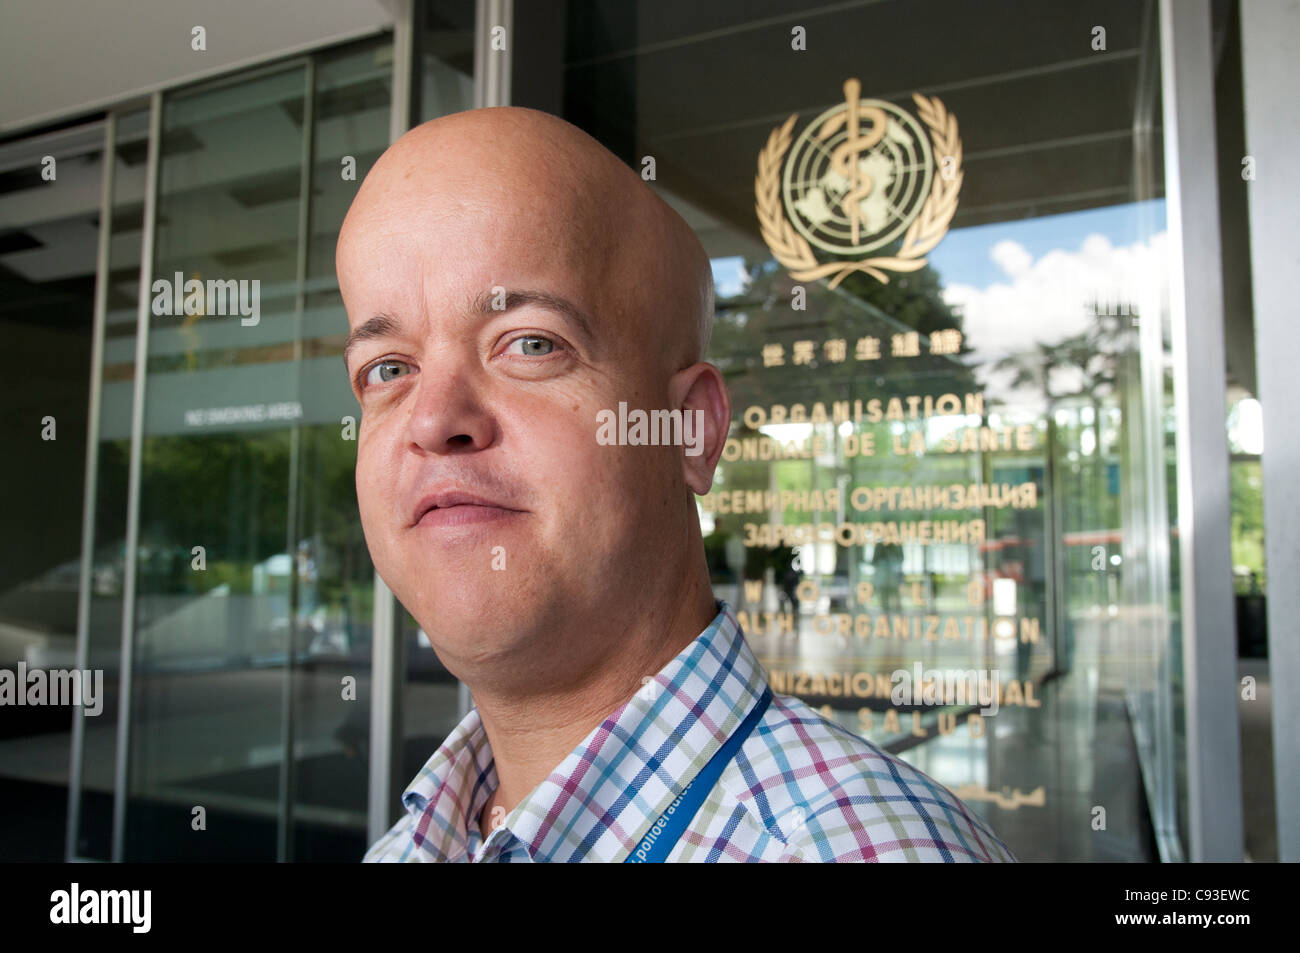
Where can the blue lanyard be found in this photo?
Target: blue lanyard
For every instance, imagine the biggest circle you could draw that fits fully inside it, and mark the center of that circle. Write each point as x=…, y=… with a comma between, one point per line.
x=665, y=832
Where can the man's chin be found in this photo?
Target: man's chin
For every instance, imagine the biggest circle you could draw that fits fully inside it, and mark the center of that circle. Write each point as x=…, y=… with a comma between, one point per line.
x=478, y=635
x=473, y=602
x=514, y=632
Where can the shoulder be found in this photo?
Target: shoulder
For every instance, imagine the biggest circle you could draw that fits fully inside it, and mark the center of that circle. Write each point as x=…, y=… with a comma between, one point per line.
x=834, y=796
x=396, y=845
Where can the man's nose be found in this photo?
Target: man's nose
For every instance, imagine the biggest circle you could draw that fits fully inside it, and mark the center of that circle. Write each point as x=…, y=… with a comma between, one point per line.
x=449, y=415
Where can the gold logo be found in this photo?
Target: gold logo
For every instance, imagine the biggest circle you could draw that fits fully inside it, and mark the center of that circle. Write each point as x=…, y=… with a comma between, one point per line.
x=860, y=175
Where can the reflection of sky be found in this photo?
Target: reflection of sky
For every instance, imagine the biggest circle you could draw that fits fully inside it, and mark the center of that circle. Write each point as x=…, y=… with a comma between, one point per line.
x=1246, y=427
x=728, y=276
x=1019, y=284
x=964, y=256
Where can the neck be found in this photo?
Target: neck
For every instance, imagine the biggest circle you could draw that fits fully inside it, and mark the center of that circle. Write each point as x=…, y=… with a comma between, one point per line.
x=532, y=733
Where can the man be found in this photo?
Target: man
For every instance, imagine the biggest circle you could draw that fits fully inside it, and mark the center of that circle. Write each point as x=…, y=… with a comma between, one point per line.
x=509, y=284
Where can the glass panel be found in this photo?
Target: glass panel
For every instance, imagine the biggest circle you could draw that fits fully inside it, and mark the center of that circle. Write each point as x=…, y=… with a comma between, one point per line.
x=430, y=700
x=216, y=559
x=1250, y=581
x=50, y=188
x=99, y=747
x=936, y=462
x=445, y=57
x=255, y=594
x=335, y=576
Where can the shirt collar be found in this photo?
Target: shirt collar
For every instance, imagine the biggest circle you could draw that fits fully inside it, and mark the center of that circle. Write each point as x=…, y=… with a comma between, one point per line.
x=450, y=790
x=600, y=801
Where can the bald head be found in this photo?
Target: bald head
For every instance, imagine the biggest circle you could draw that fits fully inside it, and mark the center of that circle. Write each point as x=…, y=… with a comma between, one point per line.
x=559, y=191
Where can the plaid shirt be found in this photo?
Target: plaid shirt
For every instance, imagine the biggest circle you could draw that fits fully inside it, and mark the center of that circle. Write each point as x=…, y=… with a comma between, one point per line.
x=802, y=788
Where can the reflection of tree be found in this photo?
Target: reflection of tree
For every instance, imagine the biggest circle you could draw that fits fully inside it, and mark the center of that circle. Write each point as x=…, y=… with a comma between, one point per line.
x=1079, y=490
x=763, y=314
x=1247, y=494
x=1093, y=353
x=229, y=492
x=1093, y=357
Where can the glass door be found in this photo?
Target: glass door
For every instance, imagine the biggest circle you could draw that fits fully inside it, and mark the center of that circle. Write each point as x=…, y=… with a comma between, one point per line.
x=251, y=636
x=937, y=231
x=50, y=196
x=213, y=629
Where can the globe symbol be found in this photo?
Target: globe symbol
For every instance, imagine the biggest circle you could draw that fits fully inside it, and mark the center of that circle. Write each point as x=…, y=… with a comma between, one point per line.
x=888, y=153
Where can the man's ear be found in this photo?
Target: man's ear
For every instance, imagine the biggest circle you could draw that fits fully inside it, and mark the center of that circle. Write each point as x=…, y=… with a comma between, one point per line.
x=701, y=393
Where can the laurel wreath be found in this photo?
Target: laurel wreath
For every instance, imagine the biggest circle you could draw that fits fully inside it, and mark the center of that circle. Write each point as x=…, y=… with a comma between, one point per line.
x=793, y=251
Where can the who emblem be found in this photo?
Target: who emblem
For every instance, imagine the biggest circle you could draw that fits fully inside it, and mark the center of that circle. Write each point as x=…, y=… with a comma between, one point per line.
x=860, y=176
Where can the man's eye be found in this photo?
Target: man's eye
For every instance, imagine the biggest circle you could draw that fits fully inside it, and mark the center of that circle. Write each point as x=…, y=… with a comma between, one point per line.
x=532, y=346
x=385, y=371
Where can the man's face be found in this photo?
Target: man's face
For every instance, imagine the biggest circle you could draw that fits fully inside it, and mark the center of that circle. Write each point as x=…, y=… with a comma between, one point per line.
x=507, y=325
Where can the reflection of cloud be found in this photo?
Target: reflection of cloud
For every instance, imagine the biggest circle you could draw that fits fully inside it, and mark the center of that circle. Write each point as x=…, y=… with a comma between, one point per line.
x=1246, y=427
x=1028, y=398
x=1049, y=299
x=729, y=276
x=1011, y=257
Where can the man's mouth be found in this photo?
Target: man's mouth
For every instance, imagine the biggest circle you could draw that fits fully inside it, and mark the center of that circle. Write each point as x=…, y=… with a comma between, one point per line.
x=457, y=508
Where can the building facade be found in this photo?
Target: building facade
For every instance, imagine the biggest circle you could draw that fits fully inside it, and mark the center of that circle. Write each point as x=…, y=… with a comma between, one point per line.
x=998, y=301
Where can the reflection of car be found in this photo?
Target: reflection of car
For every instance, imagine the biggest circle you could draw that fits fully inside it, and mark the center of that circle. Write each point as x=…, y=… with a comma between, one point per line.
x=326, y=641
x=329, y=643
x=314, y=638
x=106, y=580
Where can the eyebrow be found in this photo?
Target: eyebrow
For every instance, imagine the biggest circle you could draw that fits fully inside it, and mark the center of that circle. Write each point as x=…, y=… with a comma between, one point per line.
x=562, y=306
x=381, y=325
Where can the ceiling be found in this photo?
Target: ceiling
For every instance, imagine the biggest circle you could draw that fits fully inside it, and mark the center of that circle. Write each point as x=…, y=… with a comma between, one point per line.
x=60, y=58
